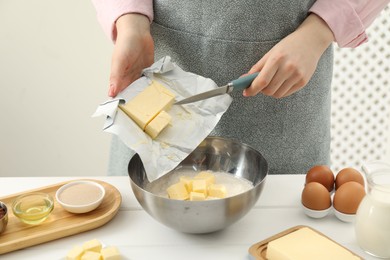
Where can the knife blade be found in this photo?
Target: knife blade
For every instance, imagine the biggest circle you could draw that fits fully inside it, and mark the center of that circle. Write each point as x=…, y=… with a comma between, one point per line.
x=237, y=84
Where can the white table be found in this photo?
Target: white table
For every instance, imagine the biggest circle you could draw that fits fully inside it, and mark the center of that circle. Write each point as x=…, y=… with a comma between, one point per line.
x=139, y=237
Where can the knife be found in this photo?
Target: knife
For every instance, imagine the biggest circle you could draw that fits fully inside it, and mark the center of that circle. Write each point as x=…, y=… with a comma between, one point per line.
x=237, y=84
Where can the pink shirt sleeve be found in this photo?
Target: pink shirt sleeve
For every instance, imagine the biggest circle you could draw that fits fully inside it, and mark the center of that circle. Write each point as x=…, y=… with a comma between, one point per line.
x=108, y=11
x=349, y=19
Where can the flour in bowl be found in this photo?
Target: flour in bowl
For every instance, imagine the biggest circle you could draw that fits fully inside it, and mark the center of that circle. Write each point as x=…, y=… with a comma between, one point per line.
x=234, y=185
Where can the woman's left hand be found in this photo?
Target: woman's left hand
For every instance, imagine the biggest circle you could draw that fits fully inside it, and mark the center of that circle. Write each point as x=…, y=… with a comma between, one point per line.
x=290, y=64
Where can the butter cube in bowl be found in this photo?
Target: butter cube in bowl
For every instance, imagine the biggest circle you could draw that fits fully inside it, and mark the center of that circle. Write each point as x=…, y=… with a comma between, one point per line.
x=214, y=187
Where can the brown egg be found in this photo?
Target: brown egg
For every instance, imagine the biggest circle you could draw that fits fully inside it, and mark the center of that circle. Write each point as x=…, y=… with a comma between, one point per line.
x=321, y=174
x=348, y=174
x=315, y=196
x=348, y=197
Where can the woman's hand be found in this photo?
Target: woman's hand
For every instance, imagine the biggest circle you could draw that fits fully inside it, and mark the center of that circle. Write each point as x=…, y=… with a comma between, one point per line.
x=290, y=64
x=133, y=51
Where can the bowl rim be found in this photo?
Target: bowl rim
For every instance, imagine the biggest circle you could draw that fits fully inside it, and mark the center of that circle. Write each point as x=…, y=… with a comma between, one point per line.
x=78, y=206
x=42, y=194
x=210, y=137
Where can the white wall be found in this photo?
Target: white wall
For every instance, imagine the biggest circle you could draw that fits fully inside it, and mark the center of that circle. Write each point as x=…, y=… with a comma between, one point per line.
x=54, y=66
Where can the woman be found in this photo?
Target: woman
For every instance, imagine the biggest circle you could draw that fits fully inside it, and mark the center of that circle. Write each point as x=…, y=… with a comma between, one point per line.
x=285, y=113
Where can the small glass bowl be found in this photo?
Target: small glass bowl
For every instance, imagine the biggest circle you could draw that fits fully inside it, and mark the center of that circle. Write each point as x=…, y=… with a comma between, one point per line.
x=344, y=217
x=316, y=213
x=80, y=196
x=3, y=217
x=33, y=208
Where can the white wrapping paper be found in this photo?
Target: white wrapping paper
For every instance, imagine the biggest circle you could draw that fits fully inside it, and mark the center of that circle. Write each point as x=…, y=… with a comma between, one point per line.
x=191, y=123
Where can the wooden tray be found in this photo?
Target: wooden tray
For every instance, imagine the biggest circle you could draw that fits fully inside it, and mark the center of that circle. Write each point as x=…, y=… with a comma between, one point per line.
x=259, y=250
x=60, y=223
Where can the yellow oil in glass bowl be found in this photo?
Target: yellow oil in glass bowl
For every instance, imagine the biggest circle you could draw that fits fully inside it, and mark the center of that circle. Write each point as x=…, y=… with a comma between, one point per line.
x=33, y=208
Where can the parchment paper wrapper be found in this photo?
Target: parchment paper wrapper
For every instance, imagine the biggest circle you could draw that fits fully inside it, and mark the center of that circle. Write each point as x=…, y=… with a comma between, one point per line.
x=190, y=125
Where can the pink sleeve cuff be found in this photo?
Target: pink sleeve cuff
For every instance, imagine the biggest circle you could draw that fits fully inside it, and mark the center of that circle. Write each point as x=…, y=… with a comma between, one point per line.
x=349, y=19
x=343, y=20
x=108, y=11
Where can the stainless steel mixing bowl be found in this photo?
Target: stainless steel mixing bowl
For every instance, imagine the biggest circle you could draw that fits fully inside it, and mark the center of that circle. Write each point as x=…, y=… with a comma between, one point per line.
x=215, y=154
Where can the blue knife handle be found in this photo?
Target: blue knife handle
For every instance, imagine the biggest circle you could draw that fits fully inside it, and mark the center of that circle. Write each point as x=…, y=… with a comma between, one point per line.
x=243, y=82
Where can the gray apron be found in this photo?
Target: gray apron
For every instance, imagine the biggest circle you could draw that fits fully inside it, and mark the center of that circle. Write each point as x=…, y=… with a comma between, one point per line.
x=221, y=40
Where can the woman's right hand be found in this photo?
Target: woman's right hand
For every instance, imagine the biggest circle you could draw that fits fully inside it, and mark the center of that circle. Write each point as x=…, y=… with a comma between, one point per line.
x=133, y=51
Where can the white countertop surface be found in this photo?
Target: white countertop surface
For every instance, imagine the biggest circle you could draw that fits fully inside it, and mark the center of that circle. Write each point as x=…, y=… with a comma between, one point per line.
x=139, y=237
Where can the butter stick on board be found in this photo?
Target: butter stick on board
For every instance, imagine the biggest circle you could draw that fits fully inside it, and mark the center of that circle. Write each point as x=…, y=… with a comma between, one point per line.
x=306, y=244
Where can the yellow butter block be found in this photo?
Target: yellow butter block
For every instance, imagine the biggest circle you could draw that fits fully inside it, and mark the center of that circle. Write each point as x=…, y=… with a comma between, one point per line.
x=217, y=190
x=197, y=196
x=199, y=185
x=75, y=253
x=110, y=253
x=187, y=182
x=92, y=245
x=178, y=191
x=90, y=255
x=154, y=128
x=209, y=177
x=306, y=244
x=148, y=104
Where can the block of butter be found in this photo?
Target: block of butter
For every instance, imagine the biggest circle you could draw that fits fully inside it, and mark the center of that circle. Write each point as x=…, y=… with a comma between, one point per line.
x=148, y=104
x=200, y=185
x=187, y=182
x=205, y=175
x=178, y=191
x=217, y=191
x=197, y=196
x=75, y=253
x=92, y=245
x=91, y=255
x=110, y=253
x=305, y=243
x=198, y=188
x=154, y=128
x=92, y=250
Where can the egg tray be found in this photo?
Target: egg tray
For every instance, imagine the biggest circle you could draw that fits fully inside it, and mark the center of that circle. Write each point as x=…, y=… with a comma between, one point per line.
x=60, y=223
x=259, y=250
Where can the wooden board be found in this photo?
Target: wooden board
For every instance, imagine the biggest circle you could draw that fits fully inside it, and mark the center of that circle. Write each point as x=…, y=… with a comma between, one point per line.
x=259, y=250
x=60, y=223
